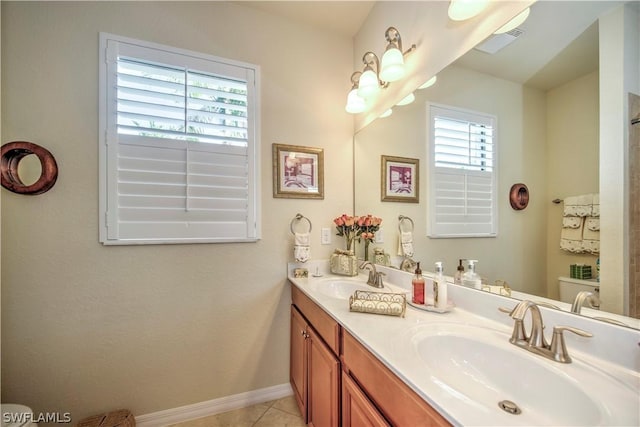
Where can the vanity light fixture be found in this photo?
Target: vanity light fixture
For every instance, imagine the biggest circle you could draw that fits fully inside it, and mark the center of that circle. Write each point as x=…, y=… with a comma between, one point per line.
x=370, y=84
x=375, y=76
x=407, y=99
x=355, y=104
x=429, y=82
x=515, y=21
x=461, y=10
x=393, y=58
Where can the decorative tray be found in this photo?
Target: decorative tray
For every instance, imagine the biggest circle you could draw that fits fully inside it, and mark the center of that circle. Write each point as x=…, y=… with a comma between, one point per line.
x=432, y=308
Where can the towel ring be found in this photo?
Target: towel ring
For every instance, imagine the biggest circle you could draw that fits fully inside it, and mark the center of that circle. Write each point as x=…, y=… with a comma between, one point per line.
x=299, y=217
x=401, y=218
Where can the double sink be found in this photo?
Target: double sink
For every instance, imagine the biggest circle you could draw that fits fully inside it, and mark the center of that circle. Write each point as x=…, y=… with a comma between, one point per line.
x=475, y=373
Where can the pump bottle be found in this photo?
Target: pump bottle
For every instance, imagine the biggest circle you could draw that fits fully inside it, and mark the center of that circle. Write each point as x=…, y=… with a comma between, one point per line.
x=471, y=278
x=417, y=284
x=439, y=288
x=457, y=278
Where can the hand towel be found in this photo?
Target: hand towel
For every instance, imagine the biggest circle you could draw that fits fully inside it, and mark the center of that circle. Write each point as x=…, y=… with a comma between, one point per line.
x=301, y=249
x=596, y=205
x=578, y=205
x=591, y=235
x=405, y=244
x=571, y=238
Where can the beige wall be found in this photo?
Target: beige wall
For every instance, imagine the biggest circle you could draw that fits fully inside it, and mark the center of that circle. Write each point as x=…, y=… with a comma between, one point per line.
x=572, y=163
x=517, y=255
x=87, y=328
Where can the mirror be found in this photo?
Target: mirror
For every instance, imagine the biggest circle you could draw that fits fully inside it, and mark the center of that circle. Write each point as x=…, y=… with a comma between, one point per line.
x=547, y=139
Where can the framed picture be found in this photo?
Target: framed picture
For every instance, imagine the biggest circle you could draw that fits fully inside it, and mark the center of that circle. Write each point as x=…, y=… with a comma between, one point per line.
x=298, y=172
x=400, y=178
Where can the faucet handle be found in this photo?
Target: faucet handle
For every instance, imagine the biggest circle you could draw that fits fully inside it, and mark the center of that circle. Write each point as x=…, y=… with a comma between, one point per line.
x=558, y=347
x=378, y=281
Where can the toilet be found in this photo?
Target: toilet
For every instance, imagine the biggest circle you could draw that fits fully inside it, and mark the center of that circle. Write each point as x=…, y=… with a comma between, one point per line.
x=569, y=288
x=14, y=415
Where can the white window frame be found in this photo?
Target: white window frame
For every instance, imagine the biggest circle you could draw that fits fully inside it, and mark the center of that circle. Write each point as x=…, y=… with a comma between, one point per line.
x=459, y=229
x=201, y=230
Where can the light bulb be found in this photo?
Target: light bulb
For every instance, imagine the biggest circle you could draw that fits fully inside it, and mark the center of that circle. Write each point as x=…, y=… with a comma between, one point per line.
x=355, y=104
x=429, y=82
x=368, y=84
x=517, y=20
x=460, y=10
x=386, y=113
x=392, y=68
x=407, y=99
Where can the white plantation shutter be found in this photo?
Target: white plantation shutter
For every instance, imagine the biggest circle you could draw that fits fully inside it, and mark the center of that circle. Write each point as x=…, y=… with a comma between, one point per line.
x=180, y=149
x=462, y=173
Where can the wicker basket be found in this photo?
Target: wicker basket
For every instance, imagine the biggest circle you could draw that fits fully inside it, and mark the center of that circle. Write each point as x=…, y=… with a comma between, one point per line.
x=120, y=418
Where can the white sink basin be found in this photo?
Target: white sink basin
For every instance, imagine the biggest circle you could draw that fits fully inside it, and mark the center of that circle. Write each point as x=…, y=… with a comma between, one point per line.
x=480, y=368
x=343, y=288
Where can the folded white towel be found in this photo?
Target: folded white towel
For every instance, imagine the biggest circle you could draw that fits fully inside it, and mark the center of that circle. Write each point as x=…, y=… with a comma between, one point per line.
x=301, y=249
x=578, y=205
x=596, y=205
x=405, y=244
x=571, y=238
x=571, y=222
x=591, y=235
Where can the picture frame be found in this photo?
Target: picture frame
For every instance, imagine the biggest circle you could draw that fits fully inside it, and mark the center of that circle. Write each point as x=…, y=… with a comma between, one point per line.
x=298, y=172
x=400, y=179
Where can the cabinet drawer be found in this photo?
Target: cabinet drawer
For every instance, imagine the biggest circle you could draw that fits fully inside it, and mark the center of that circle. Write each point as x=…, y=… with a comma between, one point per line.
x=395, y=400
x=324, y=324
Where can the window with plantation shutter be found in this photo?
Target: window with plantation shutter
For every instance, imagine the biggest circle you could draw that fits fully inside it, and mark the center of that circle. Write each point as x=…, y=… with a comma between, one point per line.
x=178, y=146
x=462, y=173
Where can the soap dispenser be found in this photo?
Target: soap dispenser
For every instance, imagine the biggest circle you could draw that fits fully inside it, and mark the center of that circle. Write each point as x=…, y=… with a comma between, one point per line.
x=471, y=278
x=418, y=287
x=439, y=288
x=457, y=278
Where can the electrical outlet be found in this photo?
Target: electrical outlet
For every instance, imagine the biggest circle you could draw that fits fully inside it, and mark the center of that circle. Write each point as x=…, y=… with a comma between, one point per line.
x=379, y=236
x=325, y=235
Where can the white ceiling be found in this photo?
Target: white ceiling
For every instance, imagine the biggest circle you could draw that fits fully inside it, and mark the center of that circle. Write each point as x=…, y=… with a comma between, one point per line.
x=559, y=44
x=560, y=40
x=343, y=17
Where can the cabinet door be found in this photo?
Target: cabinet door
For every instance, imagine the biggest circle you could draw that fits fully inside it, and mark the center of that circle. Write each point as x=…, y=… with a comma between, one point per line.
x=357, y=409
x=298, y=360
x=323, y=383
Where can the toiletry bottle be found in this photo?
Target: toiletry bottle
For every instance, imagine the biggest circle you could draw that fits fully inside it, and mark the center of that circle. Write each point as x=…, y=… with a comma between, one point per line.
x=418, y=287
x=457, y=278
x=439, y=288
x=471, y=278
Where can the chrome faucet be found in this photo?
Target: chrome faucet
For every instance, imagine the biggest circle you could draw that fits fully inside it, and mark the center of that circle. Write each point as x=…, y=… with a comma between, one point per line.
x=375, y=277
x=535, y=341
x=582, y=297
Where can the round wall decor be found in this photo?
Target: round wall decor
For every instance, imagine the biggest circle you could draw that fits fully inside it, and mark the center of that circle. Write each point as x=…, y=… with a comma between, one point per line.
x=12, y=153
x=519, y=196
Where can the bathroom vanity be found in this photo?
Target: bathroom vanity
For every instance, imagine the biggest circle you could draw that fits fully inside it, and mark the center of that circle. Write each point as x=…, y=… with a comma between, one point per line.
x=455, y=368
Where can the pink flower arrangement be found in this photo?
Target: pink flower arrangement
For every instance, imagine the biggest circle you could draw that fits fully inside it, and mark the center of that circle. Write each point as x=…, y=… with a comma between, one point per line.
x=357, y=227
x=367, y=227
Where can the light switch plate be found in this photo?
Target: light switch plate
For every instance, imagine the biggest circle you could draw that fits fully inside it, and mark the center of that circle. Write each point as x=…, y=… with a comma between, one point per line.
x=325, y=236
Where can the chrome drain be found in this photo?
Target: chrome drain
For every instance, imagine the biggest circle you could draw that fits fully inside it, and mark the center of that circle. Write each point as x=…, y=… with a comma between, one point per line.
x=510, y=407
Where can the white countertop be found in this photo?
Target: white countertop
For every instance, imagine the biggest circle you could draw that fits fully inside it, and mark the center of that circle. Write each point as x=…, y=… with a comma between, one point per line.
x=386, y=338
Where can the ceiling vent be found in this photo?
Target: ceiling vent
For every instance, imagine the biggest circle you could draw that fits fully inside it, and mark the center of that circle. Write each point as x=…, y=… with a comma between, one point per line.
x=499, y=41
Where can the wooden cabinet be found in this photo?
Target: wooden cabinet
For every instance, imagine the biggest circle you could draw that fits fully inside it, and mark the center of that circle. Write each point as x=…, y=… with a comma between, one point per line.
x=357, y=409
x=336, y=381
x=399, y=405
x=315, y=367
x=298, y=360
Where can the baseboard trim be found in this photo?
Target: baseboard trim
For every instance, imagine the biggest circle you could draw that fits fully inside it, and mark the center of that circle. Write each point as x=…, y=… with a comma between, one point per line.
x=212, y=407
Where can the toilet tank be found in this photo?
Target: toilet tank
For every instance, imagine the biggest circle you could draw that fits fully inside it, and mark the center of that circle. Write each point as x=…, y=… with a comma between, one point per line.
x=569, y=288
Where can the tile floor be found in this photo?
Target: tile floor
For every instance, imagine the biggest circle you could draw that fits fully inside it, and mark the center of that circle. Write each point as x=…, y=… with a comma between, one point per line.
x=277, y=413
